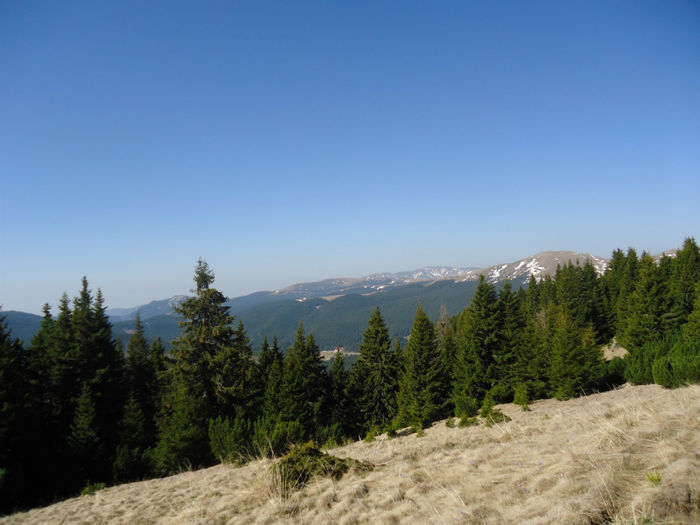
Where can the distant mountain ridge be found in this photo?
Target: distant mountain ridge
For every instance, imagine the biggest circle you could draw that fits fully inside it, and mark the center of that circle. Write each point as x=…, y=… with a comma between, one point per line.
x=336, y=310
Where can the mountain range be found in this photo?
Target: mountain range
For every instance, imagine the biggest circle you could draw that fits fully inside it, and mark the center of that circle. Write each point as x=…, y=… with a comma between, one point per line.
x=336, y=310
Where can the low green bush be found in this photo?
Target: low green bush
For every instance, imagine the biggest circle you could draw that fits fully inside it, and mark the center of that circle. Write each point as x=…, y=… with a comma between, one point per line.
x=303, y=462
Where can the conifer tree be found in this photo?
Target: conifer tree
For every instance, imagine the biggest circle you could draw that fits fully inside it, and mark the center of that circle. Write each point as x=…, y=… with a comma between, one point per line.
x=132, y=461
x=236, y=385
x=685, y=275
x=203, y=377
x=84, y=439
x=644, y=308
x=374, y=377
x=447, y=348
x=511, y=324
x=576, y=362
x=338, y=402
x=271, y=366
x=474, y=372
x=13, y=404
x=419, y=388
x=303, y=382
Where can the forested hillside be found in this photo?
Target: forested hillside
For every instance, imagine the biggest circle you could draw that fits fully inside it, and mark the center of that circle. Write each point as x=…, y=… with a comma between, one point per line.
x=79, y=410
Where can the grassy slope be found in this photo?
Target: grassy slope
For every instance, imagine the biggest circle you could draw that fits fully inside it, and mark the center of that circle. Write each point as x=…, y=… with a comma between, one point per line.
x=578, y=461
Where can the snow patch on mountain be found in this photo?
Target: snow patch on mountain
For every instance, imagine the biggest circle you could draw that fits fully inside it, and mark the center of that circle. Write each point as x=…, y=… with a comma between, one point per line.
x=537, y=266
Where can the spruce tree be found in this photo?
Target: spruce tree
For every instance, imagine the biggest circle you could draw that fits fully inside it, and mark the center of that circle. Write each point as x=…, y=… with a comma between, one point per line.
x=419, y=388
x=338, y=400
x=474, y=372
x=642, y=321
x=132, y=459
x=204, y=377
x=374, y=377
x=84, y=440
x=303, y=382
x=447, y=348
x=511, y=324
x=685, y=275
x=13, y=404
x=235, y=381
x=271, y=366
x=576, y=362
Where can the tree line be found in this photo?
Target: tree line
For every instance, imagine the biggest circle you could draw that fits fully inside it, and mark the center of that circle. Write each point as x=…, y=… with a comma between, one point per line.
x=79, y=409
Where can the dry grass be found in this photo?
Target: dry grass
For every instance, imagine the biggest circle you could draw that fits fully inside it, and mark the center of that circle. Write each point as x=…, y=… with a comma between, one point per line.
x=580, y=461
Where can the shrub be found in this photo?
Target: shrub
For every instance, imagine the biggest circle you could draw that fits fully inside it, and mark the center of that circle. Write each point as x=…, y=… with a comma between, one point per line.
x=487, y=406
x=501, y=393
x=496, y=416
x=466, y=406
x=681, y=366
x=614, y=373
x=230, y=442
x=520, y=396
x=274, y=437
x=639, y=362
x=450, y=423
x=306, y=461
x=91, y=488
x=465, y=421
x=371, y=434
x=331, y=436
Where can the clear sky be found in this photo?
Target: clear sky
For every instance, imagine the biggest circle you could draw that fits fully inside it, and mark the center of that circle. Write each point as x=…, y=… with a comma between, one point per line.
x=296, y=141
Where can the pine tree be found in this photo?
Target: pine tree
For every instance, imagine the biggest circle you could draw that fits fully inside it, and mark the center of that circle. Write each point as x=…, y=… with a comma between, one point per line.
x=132, y=461
x=685, y=275
x=205, y=375
x=419, y=396
x=645, y=307
x=271, y=366
x=477, y=342
x=84, y=439
x=236, y=385
x=303, y=384
x=13, y=404
x=339, y=409
x=511, y=324
x=206, y=328
x=447, y=348
x=373, y=381
x=576, y=362
x=183, y=432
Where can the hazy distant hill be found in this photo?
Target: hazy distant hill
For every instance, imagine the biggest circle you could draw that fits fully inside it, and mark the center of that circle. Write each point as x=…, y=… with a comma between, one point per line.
x=336, y=310
x=23, y=325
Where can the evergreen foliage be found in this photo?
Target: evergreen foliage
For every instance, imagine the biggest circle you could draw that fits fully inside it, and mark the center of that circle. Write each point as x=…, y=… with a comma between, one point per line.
x=477, y=342
x=419, y=400
x=373, y=382
x=302, y=392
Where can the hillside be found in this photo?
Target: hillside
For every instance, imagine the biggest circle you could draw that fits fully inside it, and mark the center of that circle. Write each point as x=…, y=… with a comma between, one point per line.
x=583, y=461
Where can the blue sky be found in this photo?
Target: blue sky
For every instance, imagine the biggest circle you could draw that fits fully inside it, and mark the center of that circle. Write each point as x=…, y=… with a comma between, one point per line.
x=296, y=141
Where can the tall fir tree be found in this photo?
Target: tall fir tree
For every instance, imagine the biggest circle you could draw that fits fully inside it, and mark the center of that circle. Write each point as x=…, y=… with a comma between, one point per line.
x=477, y=340
x=511, y=324
x=642, y=320
x=576, y=362
x=419, y=388
x=374, y=378
x=445, y=339
x=303, y=385
x=203, y=375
